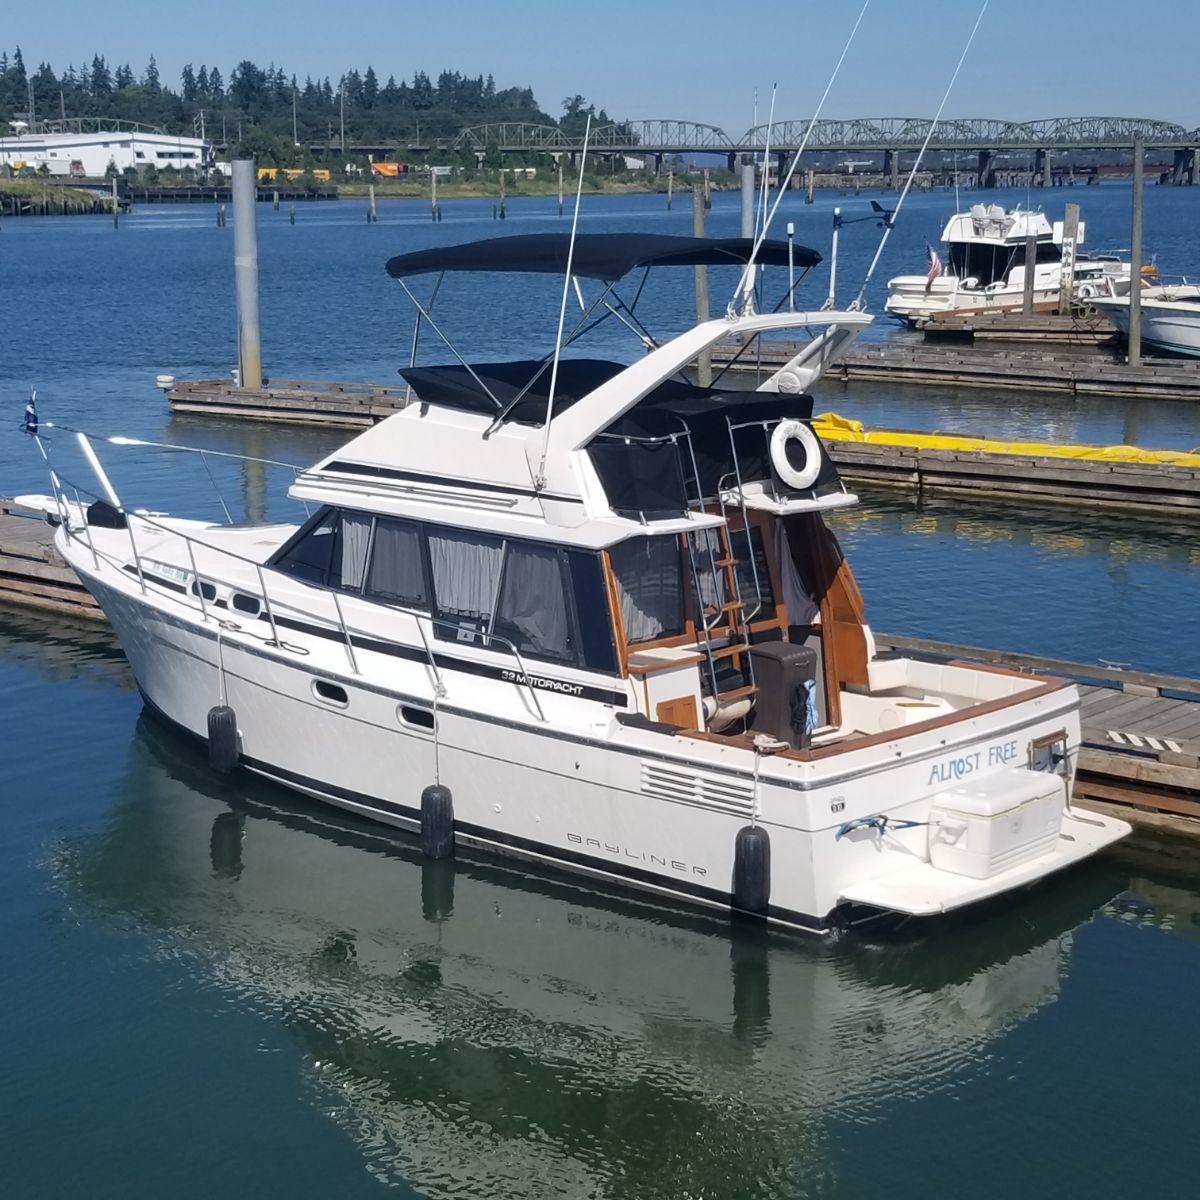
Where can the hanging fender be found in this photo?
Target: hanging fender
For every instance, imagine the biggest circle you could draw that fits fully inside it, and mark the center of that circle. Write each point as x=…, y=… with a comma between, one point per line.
x=792, y=429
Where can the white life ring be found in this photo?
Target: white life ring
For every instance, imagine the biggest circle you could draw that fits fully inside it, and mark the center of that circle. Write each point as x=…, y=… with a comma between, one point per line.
x=1087, y=291
x=803, y=478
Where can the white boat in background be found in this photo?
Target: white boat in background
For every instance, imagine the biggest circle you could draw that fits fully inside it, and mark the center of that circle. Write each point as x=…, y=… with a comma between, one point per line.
x=1170, y=317
x=591, y=614
x=985, y=268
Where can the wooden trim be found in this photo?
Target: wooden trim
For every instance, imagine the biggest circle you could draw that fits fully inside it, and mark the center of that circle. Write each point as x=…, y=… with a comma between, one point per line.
x=652, y=668
x=614, y=612
x=892, y=735
x=680, y=712
x=962, y=714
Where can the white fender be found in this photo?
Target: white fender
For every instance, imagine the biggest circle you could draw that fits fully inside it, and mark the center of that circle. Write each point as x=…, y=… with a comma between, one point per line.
x=806, y=476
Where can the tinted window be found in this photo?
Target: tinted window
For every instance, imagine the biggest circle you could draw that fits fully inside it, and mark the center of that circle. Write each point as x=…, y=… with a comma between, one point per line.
x=533, y=612
x=649, y=575
x=398, y=564
x=594, y=622
x=308, y=556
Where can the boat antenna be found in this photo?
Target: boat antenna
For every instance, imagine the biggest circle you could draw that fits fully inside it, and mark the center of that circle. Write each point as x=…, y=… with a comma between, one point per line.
x=761, y=215
x=540, y=478
x=856, y=306
x=744, y=282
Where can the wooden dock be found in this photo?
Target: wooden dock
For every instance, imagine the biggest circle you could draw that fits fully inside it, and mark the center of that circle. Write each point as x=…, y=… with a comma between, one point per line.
x=978, y=475
x=1074, y=329
x=294, y=401
x=33, y=573
x=1074, y=374
x=1141, y=732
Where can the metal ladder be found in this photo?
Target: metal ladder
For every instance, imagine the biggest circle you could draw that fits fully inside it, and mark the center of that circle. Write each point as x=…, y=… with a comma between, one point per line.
x=722, y=577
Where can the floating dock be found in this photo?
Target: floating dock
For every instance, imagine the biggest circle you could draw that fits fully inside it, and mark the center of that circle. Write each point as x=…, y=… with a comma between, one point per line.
x=1074, y=329
x=1141, y=732
x=33, y=573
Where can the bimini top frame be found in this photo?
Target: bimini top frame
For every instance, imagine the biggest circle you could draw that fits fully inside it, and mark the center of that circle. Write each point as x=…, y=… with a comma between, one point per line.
x=607, y=257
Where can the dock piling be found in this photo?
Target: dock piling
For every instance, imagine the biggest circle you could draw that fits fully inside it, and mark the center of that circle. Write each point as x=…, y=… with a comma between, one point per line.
x=747, y=199
x=1070, y=240
x=245, y=264
x=372, y=215
x=1030, y=264
x=810, y=180
x=1135, y=254
x=115, y=204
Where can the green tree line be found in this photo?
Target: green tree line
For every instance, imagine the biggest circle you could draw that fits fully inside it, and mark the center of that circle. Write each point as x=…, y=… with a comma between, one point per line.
x=255, y=109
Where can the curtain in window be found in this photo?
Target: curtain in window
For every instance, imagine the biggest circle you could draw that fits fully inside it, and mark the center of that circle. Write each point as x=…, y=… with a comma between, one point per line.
x=355, y=537
x=707, y=550
x=649, y=581
x=466, y=573
x=801, y=608
x=533, y=607
x=397, y=564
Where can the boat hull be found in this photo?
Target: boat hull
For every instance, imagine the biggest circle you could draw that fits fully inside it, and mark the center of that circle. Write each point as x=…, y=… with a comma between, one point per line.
x=1164, y=327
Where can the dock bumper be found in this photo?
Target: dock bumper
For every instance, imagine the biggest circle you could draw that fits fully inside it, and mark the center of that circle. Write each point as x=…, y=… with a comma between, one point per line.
x=922, y=890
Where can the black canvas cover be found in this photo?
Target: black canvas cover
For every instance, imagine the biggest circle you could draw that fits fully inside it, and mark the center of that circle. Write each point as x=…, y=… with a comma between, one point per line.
x=604, y=256
x=453, y=386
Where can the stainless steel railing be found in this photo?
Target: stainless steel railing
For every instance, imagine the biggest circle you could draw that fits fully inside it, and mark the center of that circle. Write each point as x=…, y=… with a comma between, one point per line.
x=213, y=577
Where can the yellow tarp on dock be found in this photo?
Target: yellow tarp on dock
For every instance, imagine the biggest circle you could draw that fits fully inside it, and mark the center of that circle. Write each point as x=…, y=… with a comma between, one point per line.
x=834, y=428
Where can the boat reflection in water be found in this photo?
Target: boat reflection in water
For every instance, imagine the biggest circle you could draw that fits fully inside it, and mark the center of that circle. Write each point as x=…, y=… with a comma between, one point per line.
x=482, y=1031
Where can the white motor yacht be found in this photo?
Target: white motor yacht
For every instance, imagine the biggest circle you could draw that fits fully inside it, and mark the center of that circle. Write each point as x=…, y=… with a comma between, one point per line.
x=591, y=614
x=985, y=268
x=1170, y=317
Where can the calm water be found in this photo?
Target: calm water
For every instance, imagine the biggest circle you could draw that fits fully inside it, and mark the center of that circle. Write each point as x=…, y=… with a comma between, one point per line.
x=211, y=987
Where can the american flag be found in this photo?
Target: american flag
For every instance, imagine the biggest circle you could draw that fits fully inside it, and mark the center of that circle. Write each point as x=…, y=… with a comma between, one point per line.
x=935, y=263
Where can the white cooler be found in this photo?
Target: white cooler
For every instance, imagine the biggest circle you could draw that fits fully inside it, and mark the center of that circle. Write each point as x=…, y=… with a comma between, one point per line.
x=1000, y=821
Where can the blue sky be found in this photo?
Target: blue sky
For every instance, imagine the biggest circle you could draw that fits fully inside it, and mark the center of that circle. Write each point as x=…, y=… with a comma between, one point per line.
x=698, y=60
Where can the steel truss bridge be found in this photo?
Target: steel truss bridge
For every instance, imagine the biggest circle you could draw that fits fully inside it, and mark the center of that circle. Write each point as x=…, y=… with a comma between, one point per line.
x=888, y=135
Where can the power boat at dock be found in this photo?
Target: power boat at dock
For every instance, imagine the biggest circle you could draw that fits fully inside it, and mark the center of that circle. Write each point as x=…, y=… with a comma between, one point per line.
x=1170, y=317
x=985, y=268
x=591, y=614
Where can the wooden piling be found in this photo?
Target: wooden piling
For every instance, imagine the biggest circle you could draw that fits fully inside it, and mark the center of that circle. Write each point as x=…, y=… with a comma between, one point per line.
x=670, y=188
x=1135, y=254
x=810, y=179
x=372, y=216
x=1030, y=264
x=115, y=202
x=1070, y=240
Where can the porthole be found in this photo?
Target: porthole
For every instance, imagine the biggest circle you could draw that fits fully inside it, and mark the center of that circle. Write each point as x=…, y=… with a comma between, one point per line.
x=331, y=693
x=245, y=604
x=415, y=718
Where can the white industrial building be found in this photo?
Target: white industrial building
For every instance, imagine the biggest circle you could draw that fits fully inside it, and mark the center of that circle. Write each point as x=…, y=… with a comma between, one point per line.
x=86, y=149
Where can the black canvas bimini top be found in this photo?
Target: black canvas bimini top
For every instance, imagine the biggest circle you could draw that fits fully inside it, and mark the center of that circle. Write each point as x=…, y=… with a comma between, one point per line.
x=604, y=256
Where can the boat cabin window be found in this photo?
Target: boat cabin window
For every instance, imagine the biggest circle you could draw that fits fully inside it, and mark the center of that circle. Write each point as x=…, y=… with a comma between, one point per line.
x=466, y=577
x=352, y=539
x=533, y=610
x=397, y=570
x=548, y=602
x=308, y=554
x=649, y=572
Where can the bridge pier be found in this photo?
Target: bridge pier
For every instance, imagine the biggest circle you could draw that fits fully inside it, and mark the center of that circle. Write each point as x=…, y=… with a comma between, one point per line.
x=1041, y=174
x=782, y=158
x=986, y=178
x=889, y=169
x=1183, y=170
x=731, y=160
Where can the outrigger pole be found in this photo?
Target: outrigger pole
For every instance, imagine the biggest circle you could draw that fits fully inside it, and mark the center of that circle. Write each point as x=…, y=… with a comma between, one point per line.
x=745, y=284
x=540, y=478
x=856, y=306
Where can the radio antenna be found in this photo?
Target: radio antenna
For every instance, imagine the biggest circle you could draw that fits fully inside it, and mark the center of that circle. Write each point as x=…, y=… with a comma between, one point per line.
x=891, y=221
x=540, y=477
x=746, y=281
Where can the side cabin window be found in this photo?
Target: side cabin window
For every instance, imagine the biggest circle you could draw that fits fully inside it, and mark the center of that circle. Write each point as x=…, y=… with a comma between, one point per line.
x=649, y=572
x=546, y=601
